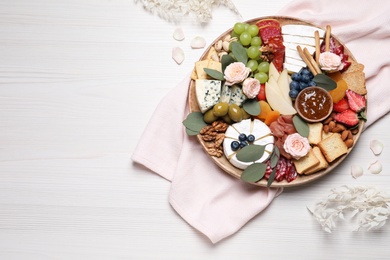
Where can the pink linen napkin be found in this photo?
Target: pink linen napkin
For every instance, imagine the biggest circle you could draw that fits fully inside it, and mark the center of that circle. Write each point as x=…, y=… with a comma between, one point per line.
x=210, y=200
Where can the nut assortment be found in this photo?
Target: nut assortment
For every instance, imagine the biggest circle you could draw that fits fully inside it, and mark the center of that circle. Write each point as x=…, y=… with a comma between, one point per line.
x=213, y=135
x=222, y=47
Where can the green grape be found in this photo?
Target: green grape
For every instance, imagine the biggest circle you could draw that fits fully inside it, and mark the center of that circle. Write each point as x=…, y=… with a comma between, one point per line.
x=256, y=41
x=264, y=66
x=239, y=28
x=245, y=38
x=252, y=64
x=262, y=77
x=253, y=30
x=253, y=52
x=246, y=26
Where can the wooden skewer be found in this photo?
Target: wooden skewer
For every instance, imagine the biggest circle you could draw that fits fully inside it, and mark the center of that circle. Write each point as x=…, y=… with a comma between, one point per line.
x=327, y=37
x=317, y=40
x=311, y=60
x=306, y=60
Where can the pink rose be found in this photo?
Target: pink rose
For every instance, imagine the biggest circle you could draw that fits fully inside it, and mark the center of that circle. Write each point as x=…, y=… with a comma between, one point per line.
x=235, y=73
x=296, y=145
x=330, y=62
x=251, y=87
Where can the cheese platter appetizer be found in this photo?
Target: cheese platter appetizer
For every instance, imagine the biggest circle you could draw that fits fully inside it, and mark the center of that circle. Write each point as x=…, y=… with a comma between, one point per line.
x=277, y=101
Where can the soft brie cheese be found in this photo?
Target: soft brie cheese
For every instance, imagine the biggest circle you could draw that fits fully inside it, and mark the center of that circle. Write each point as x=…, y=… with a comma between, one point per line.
x=208, y=93
x=263, y=136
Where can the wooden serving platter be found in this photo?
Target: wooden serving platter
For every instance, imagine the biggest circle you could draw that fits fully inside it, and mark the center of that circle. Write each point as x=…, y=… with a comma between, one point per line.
x=224, y=164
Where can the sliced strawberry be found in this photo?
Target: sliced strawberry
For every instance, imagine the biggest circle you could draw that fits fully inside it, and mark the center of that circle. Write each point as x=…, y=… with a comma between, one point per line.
x=261, y=95
x=341, y=105
x=356, y=101
x=347, y=117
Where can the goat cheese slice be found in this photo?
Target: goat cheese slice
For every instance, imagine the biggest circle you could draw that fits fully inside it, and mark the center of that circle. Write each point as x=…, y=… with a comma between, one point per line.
x=302, y=30
x=299, y=40
x=208, y=93
x=263, y=136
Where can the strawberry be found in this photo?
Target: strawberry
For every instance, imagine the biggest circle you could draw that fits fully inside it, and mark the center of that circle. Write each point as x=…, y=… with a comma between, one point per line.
x=261, y=95
x=347, y=117
x=356, y=101
x=341, y=105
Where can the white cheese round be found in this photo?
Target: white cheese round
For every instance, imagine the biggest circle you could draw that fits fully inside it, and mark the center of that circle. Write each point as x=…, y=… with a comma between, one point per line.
x=263, y=136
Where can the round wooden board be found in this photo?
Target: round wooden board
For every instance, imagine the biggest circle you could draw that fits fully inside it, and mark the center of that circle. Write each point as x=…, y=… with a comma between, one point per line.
x=224, y=164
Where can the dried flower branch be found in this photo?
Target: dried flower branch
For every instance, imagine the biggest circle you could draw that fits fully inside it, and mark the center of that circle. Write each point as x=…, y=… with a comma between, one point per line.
x=370, y=206
x=175, y=10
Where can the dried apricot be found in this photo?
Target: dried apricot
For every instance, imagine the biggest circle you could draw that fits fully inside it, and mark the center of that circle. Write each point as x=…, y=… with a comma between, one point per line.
x=271, y=117
x=264, y=110
x=338, y=93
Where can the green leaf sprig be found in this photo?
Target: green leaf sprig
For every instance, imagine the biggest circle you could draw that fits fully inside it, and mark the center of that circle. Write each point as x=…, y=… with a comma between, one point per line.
x=324, y=81
x=301, y=126
x=194, y=123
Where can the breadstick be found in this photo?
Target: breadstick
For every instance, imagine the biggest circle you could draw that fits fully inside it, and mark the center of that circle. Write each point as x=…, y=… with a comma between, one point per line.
x=312, y=61
x=317, y=38
x=327, y=37
x=306, y=60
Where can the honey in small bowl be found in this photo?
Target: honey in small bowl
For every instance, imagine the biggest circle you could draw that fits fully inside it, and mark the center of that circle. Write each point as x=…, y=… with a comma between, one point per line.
x=314, y=104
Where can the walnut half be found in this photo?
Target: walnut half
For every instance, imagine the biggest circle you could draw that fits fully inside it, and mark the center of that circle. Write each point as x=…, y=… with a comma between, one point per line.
x=213, y=136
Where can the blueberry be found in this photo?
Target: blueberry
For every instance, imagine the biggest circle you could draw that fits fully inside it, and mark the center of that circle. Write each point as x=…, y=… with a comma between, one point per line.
x=235, y=145
x=296, y=77
x=243, y=144
x=294, y=85
x=305, y=71
x=293, y=93
x=305, y=78
x=312, y=83
x=303, y=85
x=242, y=137
x=251, y=138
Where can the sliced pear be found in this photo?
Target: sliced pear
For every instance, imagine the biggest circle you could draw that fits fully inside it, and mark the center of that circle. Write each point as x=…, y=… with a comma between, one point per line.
x=273, y=95
x=284, y=85
x=273, y=72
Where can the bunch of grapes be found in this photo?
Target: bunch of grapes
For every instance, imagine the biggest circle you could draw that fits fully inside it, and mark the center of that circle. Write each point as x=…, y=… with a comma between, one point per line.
x=301, y=80
x=247, y=35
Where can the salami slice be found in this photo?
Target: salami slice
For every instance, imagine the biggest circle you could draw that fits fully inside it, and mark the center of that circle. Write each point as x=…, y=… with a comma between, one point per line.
x=267, y=22
x=269, y=32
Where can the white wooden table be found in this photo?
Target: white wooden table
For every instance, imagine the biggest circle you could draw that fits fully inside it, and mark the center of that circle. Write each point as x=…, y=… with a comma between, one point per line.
x=74, y=76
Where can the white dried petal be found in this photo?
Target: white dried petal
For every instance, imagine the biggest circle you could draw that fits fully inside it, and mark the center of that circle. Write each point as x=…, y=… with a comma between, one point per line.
x=356, y=171
x=376, y=147
x=178, y=34
x=198, y=42
x=178, y=55
x=375, y=167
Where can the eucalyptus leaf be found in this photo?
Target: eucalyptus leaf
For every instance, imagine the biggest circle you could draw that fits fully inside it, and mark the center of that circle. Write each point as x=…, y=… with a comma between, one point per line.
x=252, y=107
x=239, y=52
x=215, y=74
x=194, y=122
x=301, y=126
x=254, y=172
x=274, y=157
x=324, y=81
x=271, y=178
x=250, y=153
x=190, y=132
x=226, y=60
